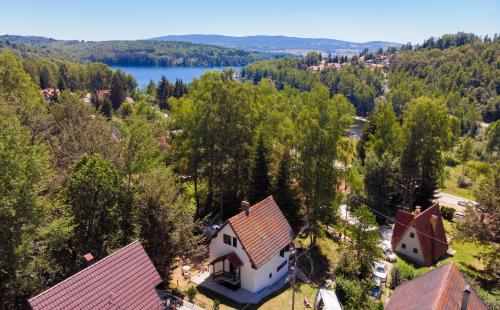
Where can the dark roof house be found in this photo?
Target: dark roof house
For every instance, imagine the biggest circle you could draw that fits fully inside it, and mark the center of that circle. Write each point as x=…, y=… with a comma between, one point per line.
x=442, y=288
x=126, y=279
x=420, y=236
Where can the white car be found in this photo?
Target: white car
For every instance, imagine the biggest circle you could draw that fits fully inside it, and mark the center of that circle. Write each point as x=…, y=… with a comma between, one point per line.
x=379, y=271
x=389, y=255
x=387, y=251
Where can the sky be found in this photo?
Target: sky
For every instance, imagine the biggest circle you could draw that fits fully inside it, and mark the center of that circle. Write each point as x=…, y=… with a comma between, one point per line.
x=359, y=20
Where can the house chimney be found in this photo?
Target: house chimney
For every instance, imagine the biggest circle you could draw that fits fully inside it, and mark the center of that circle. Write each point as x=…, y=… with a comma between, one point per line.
x=434, y=219
x=465, y=297
x=89, y=259
x=417, y=210
x=245, y=206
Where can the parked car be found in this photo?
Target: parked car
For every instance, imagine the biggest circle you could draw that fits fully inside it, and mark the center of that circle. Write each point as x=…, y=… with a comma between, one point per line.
x=389, y=255
x=463, y=203
x=376, y=291
x=379, y=271
x=387, y=251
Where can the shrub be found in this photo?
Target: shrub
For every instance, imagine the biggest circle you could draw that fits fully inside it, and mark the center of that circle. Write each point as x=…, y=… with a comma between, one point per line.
x=447, y=213
x=401, y=272
x=216, y=305
x=191, y=293
x=463, y=183
x=349, y=292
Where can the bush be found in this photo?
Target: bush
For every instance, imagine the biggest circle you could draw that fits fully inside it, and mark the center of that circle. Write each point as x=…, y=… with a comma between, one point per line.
x=216, y=305
x=349, y=292
x=463, y=183
x=402, y=272
x=191, y=293
x=447, y=213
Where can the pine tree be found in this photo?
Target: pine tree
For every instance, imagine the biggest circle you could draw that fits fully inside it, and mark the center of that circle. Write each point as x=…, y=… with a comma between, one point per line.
x=260, y=186
x=118, y=89
x=284, y=192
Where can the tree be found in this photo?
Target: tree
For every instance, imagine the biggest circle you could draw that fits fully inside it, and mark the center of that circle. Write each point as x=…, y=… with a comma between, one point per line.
x=118, y=89
x=260, y=186
x=285, y=193
x=95, y=196
x=425, y=136
x=23, y=173
x=493, y=139
x=482, y=223
x=163, y=92
x=165, y=221
x=465, y=152
x=320, y=125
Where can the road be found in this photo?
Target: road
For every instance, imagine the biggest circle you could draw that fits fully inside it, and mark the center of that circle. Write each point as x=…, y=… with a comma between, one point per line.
x=451, y=201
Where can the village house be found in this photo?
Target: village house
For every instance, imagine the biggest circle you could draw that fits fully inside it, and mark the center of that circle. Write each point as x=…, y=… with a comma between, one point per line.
x=50, y=93
x=126, y=279
x=420, y=236
x=251, y=250
x=442, y=288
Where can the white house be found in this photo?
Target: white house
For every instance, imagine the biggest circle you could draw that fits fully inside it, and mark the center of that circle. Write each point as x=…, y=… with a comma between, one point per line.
x=420, y=236
x=251, y=249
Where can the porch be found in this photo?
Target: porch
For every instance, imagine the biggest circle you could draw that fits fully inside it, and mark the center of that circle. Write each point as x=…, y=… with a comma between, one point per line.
x=226, y=270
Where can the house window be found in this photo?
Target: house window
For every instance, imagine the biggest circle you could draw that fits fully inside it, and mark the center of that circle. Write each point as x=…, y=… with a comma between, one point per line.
x=415, y=250
x=403, y=245
x=283, y=264
x=270, y=275
x=227, y=239
x=235, y=242
x=412, y=235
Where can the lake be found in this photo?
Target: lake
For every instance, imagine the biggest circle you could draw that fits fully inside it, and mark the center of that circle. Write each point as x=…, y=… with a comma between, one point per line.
x=144, y=74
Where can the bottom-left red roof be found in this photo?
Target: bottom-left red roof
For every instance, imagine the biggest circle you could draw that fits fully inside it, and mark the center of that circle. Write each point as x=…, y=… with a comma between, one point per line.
x=125, y=279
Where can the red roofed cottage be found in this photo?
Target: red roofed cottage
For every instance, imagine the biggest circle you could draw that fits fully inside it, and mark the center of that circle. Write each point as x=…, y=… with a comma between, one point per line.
x=442, y=288
x=251, y=249
x=420, y=237
x=126, y=279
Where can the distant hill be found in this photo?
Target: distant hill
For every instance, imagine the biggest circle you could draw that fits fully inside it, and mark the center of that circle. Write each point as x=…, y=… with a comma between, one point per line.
x=290, y=45
x=134, y=52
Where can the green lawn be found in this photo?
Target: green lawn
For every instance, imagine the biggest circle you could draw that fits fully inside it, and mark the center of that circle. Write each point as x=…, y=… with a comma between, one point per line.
x=284, y=299
x=451, y=184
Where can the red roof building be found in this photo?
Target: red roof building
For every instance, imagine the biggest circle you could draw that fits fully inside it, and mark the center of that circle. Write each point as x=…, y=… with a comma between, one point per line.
x=420, y=236
x=101, y=94
x=125, y=279
x=442, y=288
x=252, y=248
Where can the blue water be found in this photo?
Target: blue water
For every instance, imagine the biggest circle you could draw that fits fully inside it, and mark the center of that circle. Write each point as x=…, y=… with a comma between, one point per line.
x=144, y=74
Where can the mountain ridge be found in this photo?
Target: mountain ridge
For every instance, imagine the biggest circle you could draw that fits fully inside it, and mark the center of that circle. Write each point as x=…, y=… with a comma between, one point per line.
x=280, y=43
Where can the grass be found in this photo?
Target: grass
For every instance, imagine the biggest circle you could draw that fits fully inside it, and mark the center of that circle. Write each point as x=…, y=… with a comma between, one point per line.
x=451, y=184
x=284, y=299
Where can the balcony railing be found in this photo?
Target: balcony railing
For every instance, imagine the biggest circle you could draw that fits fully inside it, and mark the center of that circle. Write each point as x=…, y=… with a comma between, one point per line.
x=229, y=277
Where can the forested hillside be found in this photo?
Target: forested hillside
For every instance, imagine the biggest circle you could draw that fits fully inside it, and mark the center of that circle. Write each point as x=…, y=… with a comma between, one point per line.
x=136, y=53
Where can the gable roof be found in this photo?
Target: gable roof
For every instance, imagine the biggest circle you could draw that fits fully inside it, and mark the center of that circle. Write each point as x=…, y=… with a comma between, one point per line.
x=125, y=279
x=432, y=241
x=263, y=232
x=441, y=288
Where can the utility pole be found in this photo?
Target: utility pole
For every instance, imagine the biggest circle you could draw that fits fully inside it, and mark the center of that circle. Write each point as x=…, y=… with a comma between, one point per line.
x=294, y=270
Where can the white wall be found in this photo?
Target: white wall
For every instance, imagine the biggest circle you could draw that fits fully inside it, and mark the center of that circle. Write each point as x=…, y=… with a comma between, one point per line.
x=411, y=243
x=251, y=279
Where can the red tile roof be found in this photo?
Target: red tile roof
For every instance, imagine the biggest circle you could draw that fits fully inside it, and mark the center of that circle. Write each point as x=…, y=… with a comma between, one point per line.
x=102, y=93
x=263, y=232
x=432, y=242
x=125, y=279
x=441, y=288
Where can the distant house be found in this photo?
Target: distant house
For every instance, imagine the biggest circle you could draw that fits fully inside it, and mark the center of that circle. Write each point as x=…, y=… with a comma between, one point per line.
x=129, y=100
x=50, y=93
x=420, y=236
x=252, y=248
x=126, y=279
x=442, y=288
x=101, y=94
